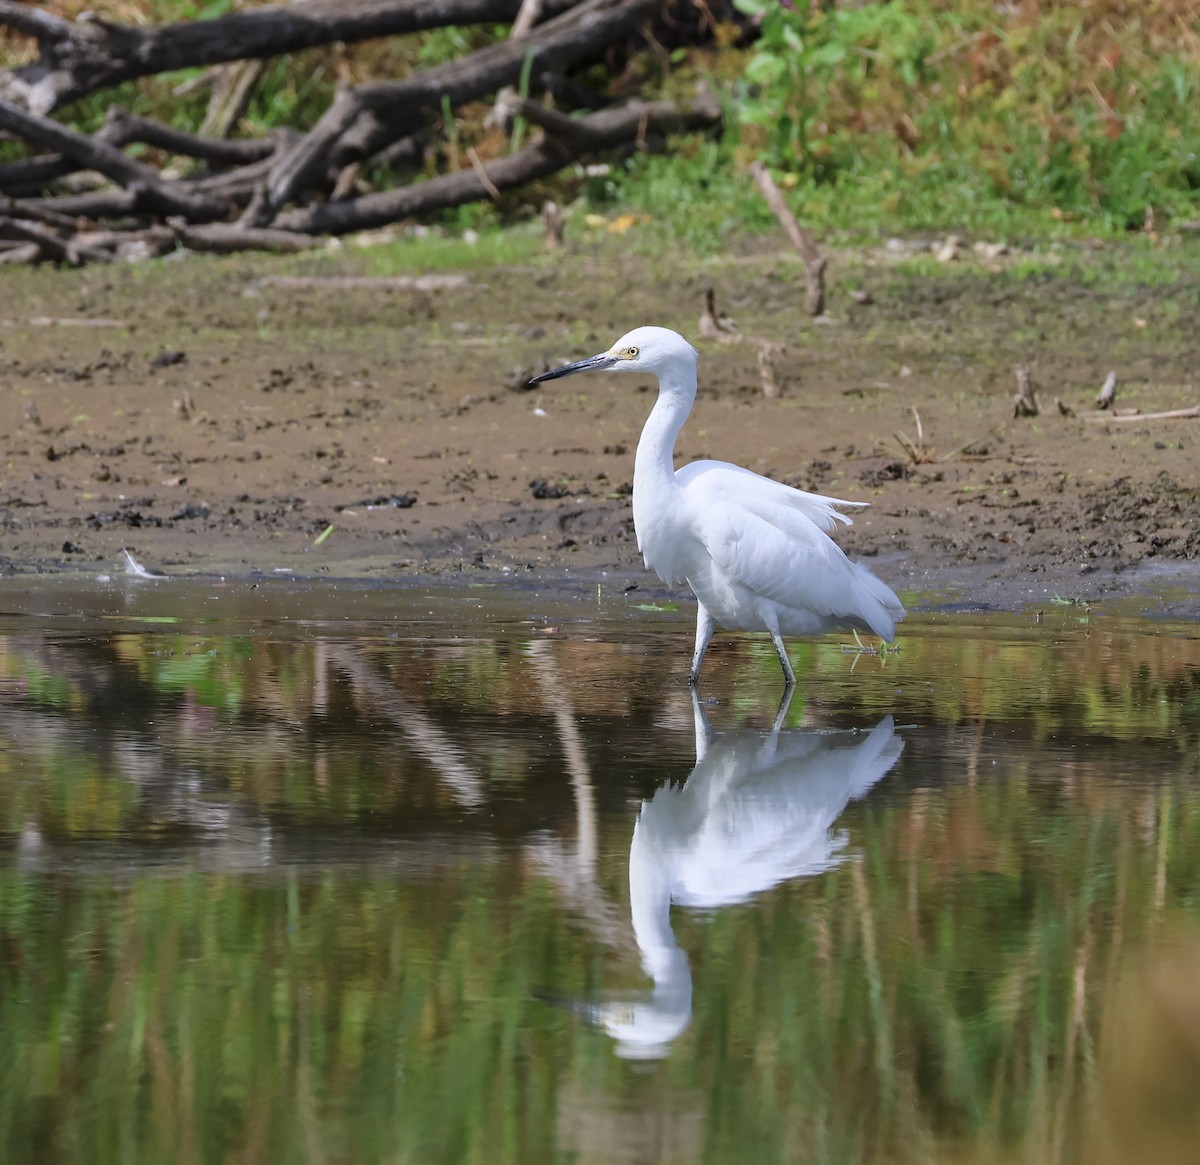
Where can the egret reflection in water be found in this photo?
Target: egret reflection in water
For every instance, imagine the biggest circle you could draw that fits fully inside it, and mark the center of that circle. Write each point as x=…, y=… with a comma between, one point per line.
x=757, y=810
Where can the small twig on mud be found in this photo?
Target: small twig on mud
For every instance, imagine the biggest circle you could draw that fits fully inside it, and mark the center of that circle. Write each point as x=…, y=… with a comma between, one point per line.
x=1169, y=415
x=915, y=454
x=915, y=451
x=1108, y=392
x=766, y=372
x=1025, y=402
x=971, y=444
x=1064, y=409
x=552, y=220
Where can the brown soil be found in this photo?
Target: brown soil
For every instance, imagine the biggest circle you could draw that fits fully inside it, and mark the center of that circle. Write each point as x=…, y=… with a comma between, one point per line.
x=228, y=422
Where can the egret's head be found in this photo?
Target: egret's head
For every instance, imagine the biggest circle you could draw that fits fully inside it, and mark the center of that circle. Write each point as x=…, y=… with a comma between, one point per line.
x=642, y=350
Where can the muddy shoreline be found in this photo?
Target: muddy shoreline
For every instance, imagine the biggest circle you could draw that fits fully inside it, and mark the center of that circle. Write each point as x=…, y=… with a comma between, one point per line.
x=214, y=420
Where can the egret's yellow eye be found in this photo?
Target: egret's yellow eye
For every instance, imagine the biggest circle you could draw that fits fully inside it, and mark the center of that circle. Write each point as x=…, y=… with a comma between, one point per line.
x=631, y=353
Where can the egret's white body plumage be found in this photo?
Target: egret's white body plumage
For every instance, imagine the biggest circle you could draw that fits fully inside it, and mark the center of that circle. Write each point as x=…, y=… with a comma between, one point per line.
x=756, y=553
x=758, y=809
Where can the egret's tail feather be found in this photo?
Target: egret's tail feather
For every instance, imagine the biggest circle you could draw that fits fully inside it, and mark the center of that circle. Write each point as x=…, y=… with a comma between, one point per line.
x=876, y=603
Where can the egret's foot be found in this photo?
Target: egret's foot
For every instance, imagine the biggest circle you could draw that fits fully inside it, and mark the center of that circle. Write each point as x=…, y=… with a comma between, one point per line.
x=693, y=679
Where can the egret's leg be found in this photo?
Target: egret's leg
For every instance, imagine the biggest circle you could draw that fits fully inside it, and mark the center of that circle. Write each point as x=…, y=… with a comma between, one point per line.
x=785, y=702
x=766, y=754
x=789, y=676
x=705, y=626
x=700, y=722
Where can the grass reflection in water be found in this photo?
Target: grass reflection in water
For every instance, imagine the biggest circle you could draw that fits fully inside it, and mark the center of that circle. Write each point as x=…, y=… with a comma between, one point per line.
x=354, y=900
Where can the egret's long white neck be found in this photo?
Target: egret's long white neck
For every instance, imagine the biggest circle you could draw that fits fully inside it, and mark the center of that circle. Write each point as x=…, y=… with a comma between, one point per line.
x=654, y=464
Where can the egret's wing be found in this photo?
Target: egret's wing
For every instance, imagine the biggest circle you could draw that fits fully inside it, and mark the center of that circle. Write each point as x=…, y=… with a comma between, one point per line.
x=745, y=485
x=756, y=535
x=776, y=820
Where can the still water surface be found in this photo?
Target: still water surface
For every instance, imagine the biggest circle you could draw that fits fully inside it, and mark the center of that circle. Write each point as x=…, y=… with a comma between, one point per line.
x=348, y=875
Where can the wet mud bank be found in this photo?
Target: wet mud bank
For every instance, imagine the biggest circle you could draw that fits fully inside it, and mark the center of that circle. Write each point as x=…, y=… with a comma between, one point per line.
x=213, y=418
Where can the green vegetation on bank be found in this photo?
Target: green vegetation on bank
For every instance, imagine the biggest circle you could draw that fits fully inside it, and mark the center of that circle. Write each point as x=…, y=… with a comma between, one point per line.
x=1027, y=120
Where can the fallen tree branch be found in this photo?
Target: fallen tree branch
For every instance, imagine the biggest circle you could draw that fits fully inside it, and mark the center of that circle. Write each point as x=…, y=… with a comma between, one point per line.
x=125, y=128
x=231, y=189
x=391, y=109
x=556, y=124
x=541, y=158
x=79, y=57
x=16, y=208
x=30, y=176
x=20, y=253
x=148, y=188
x=226, y=239
x=51, y=245
x=805, y=244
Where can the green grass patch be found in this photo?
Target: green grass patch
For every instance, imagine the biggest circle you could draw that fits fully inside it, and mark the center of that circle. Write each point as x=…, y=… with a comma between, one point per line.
x=436, y=251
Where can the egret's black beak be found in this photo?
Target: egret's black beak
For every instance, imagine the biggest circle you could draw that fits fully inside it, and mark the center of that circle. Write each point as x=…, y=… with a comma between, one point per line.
x=591, y=364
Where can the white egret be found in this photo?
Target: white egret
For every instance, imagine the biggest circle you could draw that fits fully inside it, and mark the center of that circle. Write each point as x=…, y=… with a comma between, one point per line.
x=756, y=553
x=758, y=809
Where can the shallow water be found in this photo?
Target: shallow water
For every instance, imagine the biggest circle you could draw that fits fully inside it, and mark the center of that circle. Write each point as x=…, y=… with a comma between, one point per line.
x=296, y=872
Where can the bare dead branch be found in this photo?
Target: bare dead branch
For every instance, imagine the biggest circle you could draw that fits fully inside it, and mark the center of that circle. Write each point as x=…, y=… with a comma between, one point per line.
x=226, y=239
x=80, y=57
x=805, y=244
x=146, y=185
x=528, y=15
x=403, y=104
x=15, y=208
x=606, y=129
x=43, y=26
x=53, y=246
x=232, y=89
x=125, y=128
x=556, y=124
x=20, y=253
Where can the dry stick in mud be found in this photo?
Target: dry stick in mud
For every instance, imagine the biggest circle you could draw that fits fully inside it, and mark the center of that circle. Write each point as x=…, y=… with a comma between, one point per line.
x=805, y=244
x=76, y=58
x=717, y=327
x=552, y=222
x=1108, y=392
x=1169, y=415
x=1025, y=402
